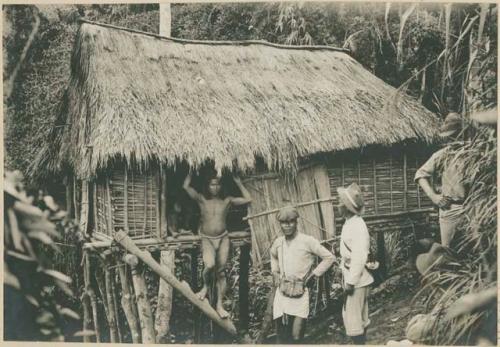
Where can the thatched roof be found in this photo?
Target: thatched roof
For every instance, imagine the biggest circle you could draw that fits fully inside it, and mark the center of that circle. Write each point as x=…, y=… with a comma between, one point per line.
x=143, y=97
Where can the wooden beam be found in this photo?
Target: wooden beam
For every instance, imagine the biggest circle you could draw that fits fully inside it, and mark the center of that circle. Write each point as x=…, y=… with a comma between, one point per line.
x=405, y=181
x=159, y=191
x=165, y=296
x=183, y=287
x=125, y=200
x=110, y=302
x=243, y=287
x=276, y=210
x=375, y=185
x=141, y=292
x=127, y=303
x=109, y=209
x=91, y=294
x=163, y=205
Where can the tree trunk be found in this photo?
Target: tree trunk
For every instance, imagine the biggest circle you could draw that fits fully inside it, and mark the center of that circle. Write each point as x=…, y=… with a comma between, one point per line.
x=87, y=319
x=144, y=308
x=128, y=303
x=243, y=286
x=165, y=295
x=91, y=294
x=183, y=287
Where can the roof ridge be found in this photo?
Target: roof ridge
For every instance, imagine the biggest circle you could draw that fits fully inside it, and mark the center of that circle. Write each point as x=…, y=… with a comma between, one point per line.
x=209, y=42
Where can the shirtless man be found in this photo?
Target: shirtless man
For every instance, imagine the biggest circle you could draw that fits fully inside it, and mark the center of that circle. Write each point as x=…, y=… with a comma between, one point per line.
x=214, y=236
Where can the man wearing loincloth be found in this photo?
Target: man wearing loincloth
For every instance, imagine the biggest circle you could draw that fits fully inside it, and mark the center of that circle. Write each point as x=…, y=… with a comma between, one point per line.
x=214, y=236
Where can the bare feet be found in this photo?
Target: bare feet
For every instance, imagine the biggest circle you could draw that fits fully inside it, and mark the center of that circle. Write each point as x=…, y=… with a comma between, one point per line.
x=202, y=294
x=222, y=313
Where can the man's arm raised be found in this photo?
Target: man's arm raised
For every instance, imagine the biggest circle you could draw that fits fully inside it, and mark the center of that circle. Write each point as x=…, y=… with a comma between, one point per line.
x=246, y=199
x=193, y=194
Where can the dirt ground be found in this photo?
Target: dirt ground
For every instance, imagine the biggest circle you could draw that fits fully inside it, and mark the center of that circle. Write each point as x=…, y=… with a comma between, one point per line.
x=390, y=311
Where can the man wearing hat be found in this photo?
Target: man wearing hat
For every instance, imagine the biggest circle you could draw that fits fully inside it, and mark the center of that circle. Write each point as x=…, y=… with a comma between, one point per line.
x=292, y=258
x=354, y=250
x=453, y=184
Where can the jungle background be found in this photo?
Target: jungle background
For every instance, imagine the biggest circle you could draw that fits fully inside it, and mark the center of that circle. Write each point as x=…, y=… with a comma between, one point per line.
x=445, y=55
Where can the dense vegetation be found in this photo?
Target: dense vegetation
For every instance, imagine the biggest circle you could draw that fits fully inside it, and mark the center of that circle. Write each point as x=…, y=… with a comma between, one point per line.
x=444, y=55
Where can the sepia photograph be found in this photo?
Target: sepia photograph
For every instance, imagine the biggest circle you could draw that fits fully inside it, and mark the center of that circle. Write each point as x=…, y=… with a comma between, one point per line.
x=250, y=173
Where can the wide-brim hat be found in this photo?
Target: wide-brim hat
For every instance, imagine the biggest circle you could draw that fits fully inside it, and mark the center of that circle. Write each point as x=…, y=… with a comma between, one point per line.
x=437, y=255
x=451, y=125
x=287, y=213
x=352, y=198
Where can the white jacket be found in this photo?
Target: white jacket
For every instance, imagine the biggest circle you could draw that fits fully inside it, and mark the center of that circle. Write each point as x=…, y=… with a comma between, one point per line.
x=354, y=249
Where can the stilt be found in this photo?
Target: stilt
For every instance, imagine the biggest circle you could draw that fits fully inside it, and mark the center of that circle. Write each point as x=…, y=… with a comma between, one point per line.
x=143, y=306
x=183, y=287
x=194, y=284
x=165, y=295
x=110, y=303
x=116, y=307
x=91, y=294
x=87, y=319
x=243, y=287
x=128, y=303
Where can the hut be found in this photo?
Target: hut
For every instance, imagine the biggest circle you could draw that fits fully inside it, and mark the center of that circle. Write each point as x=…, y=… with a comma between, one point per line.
x=298, y=122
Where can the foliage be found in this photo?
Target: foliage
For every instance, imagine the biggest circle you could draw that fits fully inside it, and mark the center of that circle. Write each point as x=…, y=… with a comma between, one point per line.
x=476, y=269
x=30, y=282
x=30, y=111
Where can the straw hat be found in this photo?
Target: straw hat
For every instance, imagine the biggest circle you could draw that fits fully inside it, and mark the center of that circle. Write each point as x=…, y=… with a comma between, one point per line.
x=352, y=198
x=452, y=124
x=438, y=254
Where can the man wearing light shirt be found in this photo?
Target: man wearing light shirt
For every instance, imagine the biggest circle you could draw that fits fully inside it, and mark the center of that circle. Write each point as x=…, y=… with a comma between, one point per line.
x=292, y=257
x=354, y=250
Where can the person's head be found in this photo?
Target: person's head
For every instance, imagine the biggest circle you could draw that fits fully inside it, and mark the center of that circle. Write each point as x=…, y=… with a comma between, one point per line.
x=287, y=218
x=350, y=201
x=213, y=187
x=451, y=128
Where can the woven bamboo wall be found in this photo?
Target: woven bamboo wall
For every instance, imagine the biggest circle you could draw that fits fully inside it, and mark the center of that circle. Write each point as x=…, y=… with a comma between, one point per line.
x=271, y=191
x=129, y=200
x=386, y=180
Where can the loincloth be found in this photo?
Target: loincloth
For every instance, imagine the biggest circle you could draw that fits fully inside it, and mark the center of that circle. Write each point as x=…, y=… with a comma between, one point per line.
x=215, y=241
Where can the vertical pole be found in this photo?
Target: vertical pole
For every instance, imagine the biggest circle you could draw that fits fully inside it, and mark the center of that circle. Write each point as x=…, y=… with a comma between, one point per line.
x=243, y=286
x=128, y=303
x=109, y=202
x=125, y=200
x=113, y=330
x=91, y=294
x=165, y=19
x=163, y=205
x=69, y=196
x=165, y=295
x=143, y=306
x=158, y=201
x=194, y=284
x=375, y=185
x=390, y=175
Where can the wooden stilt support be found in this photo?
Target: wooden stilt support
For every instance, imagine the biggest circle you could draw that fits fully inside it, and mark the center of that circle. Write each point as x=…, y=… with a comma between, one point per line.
x=87, y=319
x=165, y=295
x=183, y=287
x=110, y=304
x=194, y=284
x=144, y=308
x=116, y=311
x=128, y=303
x=91, y=294
x=243, y=287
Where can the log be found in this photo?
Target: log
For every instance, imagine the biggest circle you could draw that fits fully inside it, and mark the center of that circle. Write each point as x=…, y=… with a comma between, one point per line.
x=128, y=303
x=243, y=287
x=112, y=323
x=183, y=287
x=87, y=319
x=143, y=306
x=276, y=210
x=91, y=294
x=165, y=296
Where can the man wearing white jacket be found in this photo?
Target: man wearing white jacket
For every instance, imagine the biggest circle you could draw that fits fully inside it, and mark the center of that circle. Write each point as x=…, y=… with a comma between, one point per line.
x=354, y=250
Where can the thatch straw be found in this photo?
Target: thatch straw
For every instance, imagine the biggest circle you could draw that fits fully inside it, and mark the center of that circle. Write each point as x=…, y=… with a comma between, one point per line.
x=141, y=97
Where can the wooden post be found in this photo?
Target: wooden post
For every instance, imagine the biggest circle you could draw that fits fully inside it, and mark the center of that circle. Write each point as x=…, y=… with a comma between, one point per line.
x=91, y=294
x=405, y=181
x=128, y=303
x=183, y=287
x=144, y=308
x=87, y=319
x=163, y=206
x=165, y=295
x=243, y=286
x=194, y=284
x=69, y=196
x=113, y=331
x=109, y=202
x=119, y=322
x=125, y=200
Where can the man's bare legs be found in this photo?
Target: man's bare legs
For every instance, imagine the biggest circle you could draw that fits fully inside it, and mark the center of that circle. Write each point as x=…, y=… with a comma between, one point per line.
x=208, y=253
x=222, y=256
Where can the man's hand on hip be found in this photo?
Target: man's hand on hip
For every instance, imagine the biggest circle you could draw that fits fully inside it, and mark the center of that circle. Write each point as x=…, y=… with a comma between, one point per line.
x=349, y=289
